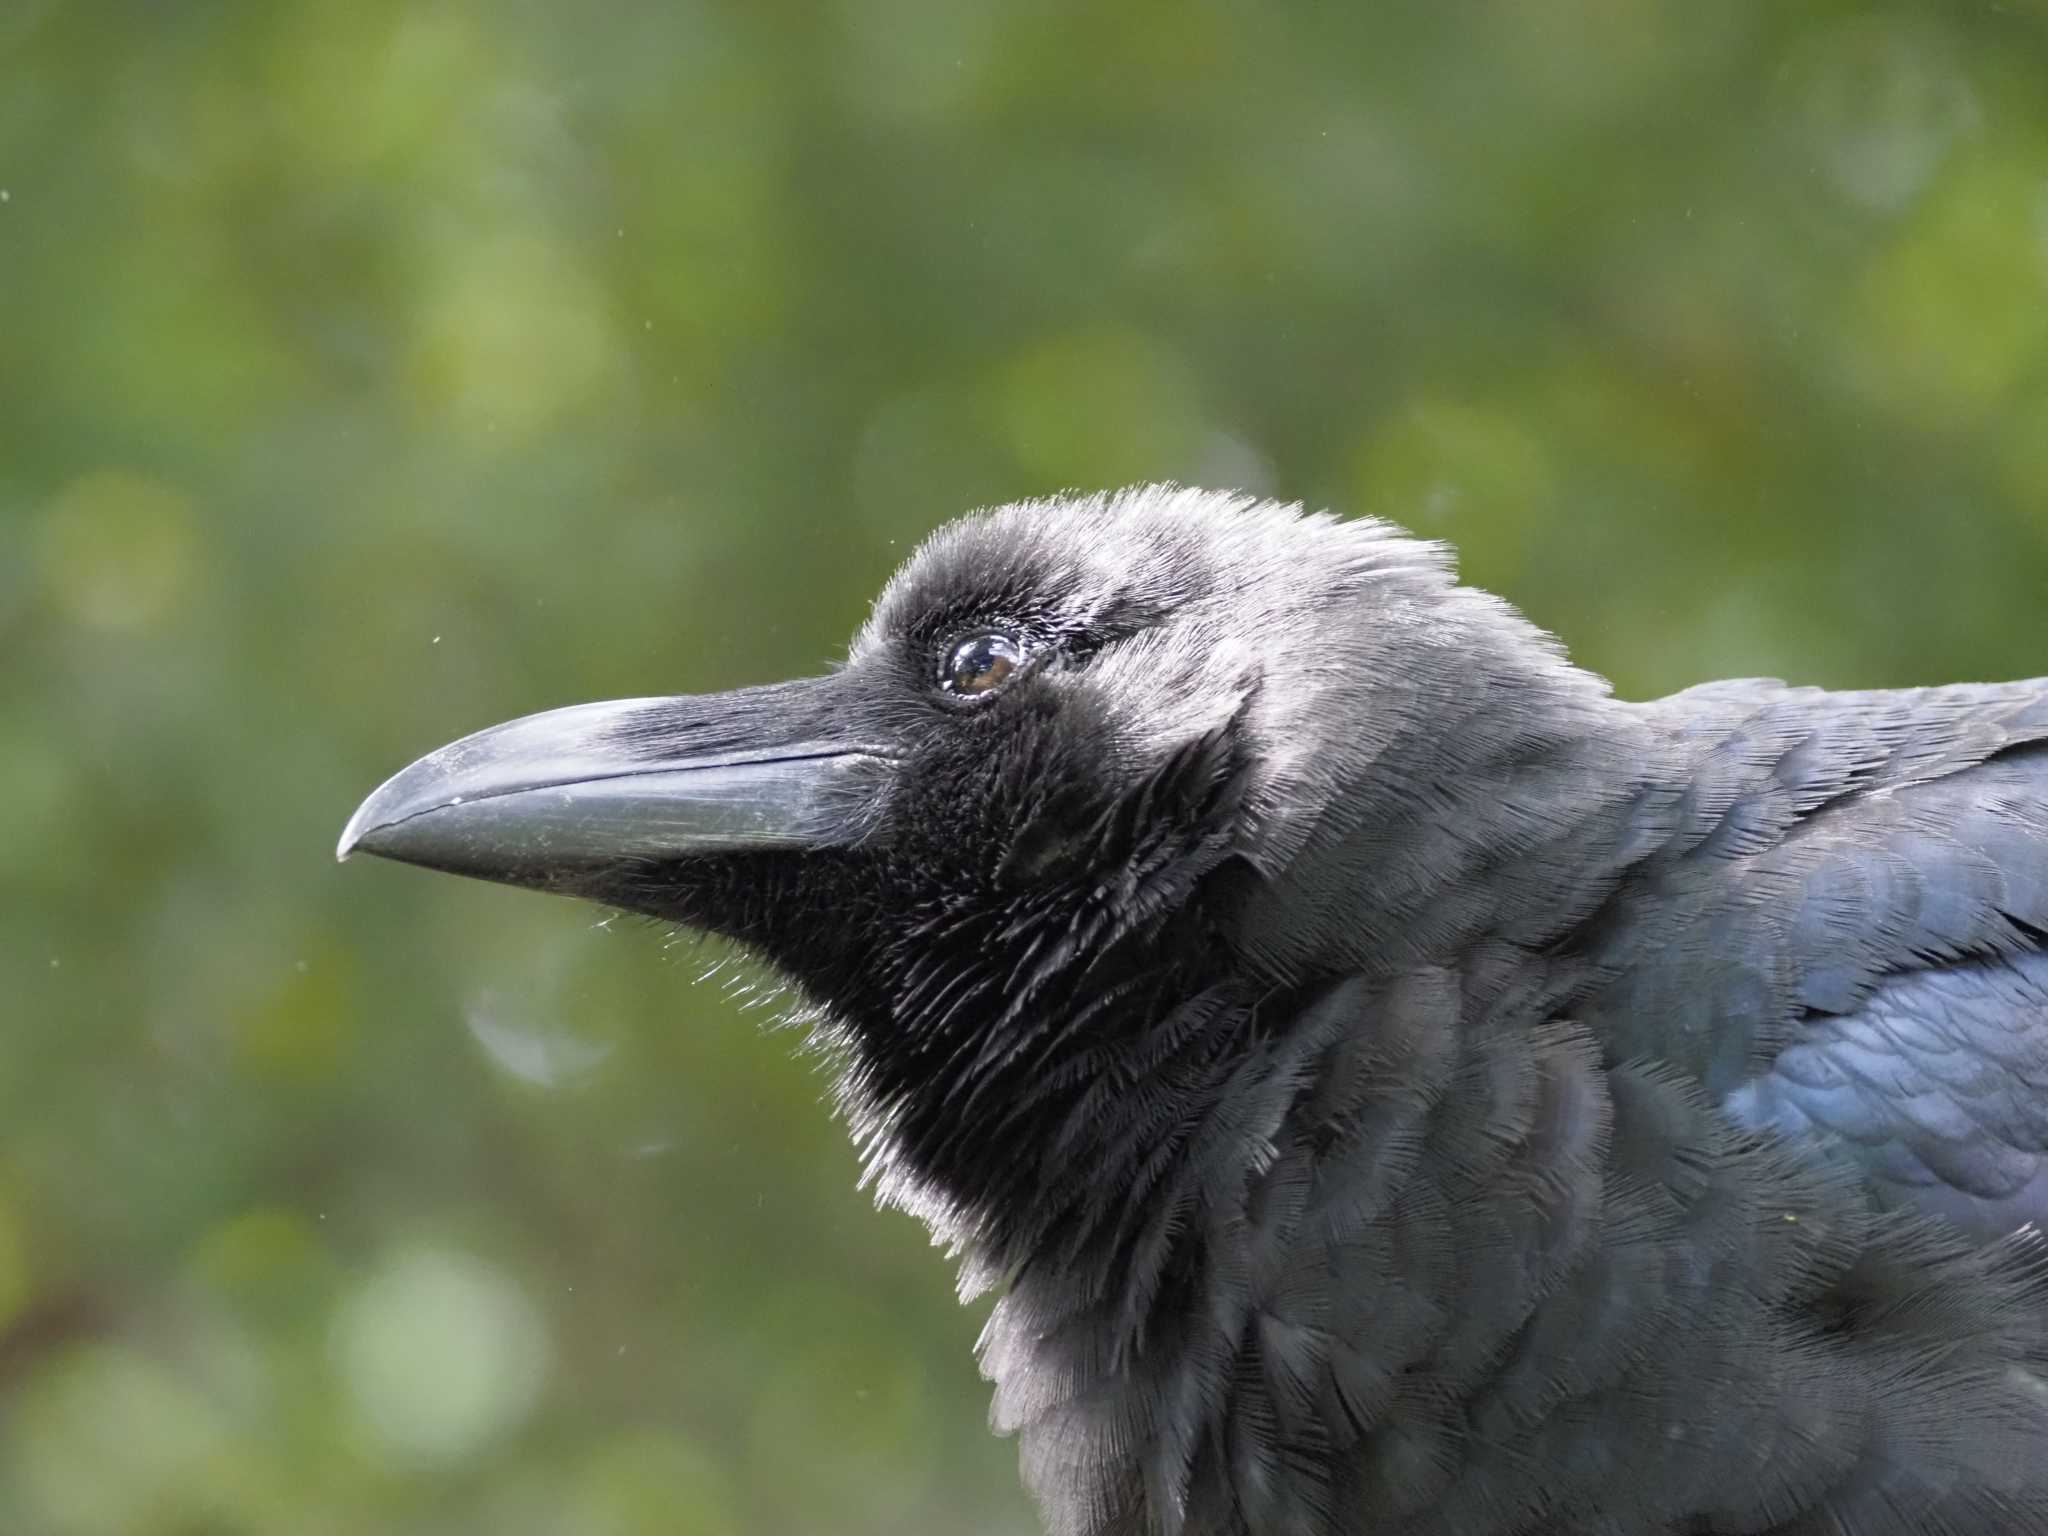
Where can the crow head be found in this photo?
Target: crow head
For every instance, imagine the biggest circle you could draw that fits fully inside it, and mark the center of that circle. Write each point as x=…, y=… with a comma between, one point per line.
x=1077, y=749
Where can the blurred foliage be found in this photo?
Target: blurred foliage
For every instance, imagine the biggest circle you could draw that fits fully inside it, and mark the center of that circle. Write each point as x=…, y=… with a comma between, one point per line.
x=372, y=372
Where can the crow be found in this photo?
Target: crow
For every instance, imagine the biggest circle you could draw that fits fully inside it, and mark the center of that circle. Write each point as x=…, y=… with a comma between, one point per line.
x=1395, y=1085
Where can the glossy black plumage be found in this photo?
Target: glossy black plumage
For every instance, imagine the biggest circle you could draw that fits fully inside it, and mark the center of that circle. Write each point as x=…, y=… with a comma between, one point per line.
x=1399, y=1087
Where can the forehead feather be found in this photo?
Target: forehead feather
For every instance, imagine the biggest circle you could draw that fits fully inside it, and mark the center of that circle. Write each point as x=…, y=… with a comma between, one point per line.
x=1152, y=550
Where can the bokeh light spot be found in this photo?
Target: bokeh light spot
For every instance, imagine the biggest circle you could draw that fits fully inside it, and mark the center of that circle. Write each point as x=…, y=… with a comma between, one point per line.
x=108, y=1440
x=512, y=337
x=117, y=551
x=1880, y=101
x=440, y=1353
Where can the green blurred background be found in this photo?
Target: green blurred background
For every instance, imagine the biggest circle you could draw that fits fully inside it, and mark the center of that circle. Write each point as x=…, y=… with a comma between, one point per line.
x=371, y=372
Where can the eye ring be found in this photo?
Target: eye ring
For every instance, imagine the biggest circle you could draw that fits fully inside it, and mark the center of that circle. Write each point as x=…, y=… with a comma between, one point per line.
x=980, y=664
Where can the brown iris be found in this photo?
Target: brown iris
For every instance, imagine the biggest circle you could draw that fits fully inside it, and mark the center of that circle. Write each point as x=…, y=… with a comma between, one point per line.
x=982, y=664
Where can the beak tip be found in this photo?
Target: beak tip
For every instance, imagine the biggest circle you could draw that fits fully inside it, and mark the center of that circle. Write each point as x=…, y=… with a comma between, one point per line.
x=351, y=835
x=398, y=801
x=362, y=828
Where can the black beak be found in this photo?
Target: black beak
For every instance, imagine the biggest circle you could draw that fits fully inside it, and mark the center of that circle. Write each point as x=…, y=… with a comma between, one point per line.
x=557, y=799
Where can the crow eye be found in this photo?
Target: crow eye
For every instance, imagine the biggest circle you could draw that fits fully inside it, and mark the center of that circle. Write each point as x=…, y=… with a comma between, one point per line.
x=981, y=665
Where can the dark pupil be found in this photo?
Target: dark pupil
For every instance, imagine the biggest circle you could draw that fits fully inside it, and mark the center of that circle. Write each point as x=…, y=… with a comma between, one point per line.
x=981, y=664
